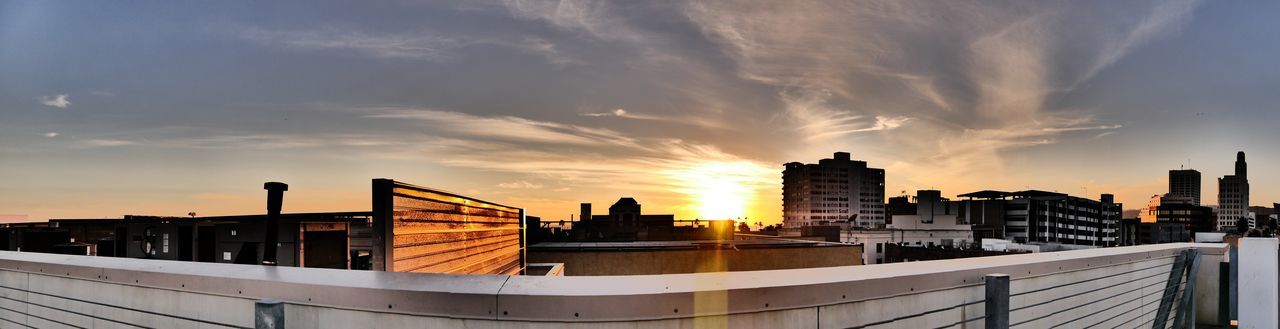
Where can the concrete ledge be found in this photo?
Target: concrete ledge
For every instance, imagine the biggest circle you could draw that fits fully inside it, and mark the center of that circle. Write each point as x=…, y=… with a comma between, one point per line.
x=780, y=294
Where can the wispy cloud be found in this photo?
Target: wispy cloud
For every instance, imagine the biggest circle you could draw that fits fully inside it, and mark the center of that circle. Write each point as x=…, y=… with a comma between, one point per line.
x=61, y=101
x=574, y=155
x=520, y=185
x=962, y=81
x=107, y=142
x=51, y=134
x=684, y=119
x=816, y=119
x=509, y=128
x=424, y=45
x=592, y=17
x=622, y=113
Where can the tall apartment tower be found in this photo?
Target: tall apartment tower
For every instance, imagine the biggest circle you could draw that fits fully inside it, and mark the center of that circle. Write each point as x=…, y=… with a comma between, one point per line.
x=1233, y=195
x=833, y=191
x=1185, y=184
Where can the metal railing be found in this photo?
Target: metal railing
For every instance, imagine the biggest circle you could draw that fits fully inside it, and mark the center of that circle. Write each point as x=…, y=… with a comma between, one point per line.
x=1147, y=287
x=115, y=309
x=1104, y=298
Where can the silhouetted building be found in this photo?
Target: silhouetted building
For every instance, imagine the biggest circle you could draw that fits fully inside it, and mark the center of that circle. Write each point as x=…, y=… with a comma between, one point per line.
x=1185, y=183
x=1044, y=217
x=1261, y=217
x=1233, y=196
x=931, y=223
x=899, y=205
x=898, y=253
x=1196, y=218
x=1135, y=232
x=625, y=222
x=837, y=190
x=1151, y=213
x=409, y=229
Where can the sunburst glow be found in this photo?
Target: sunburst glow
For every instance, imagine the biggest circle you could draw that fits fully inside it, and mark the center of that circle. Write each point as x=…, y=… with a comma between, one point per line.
x=722, y=190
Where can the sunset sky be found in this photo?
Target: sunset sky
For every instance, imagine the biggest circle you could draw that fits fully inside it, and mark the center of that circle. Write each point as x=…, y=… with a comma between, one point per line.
x=165, y=108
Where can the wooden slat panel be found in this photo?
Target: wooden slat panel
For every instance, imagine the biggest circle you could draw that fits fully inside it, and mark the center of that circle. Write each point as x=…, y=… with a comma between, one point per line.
x=444, y=233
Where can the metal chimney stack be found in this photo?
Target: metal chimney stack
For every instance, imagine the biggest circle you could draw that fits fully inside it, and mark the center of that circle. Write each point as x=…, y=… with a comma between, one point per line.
x=275, y=196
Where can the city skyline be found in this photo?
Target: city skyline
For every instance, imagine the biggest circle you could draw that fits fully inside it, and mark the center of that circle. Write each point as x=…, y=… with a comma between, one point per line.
x=693, y=108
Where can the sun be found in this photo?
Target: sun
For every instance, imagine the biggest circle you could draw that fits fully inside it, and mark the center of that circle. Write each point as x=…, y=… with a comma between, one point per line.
x=721, y=190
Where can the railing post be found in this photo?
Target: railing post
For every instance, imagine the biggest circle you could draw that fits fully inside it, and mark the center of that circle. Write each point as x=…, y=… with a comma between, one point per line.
x=268, y=314
x=1260, y=259
x=1224, y=293
x=1170, y=290
x=1186, y=316
x=997, y=301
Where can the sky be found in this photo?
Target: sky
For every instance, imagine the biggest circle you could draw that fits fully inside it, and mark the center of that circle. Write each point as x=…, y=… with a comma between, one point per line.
x=165, y=108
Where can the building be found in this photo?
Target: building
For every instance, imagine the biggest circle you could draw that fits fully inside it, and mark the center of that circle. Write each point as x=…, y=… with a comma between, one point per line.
x=1167, y=219
x=1044, y=217
x=932, y=223
x=625, y=222
x=1233, y=196
x=895, y=253
x=1185, y=183
x=831, y=192
x=1260, y=215
x=1171, y=209
x=1134, y=231
x=408, y=229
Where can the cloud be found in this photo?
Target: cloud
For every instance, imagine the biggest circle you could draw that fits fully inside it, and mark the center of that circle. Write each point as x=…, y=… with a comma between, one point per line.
x=520, y=185
x=960, y=82
x=622, y=113
x=816, y=119
x=51, y=134
x=107, y=143
x=508, y=128
x=61, y=101
x=424, y=45
x=578, y=156
x=591, y=17
x=683, y=119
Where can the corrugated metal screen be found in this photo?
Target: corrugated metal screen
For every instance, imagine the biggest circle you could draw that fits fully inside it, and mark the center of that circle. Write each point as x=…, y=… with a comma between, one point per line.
x=440, y=232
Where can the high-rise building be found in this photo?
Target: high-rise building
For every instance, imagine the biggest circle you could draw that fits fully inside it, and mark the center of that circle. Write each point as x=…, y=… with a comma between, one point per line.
x=1233, y=195
x=1185, y=183
x=833, y=191
x=1044, y=217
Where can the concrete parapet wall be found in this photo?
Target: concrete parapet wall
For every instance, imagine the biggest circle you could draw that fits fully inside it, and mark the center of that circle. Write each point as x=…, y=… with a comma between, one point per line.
x=598, y=262
x=836, y=297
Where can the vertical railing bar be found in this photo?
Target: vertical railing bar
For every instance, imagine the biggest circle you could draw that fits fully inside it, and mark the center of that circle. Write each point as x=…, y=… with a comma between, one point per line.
x=1166, y=302
x=1233, y=298
x=997, y=301
x=1224, y=293
x=1187, y=312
